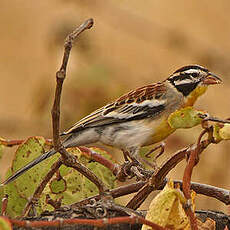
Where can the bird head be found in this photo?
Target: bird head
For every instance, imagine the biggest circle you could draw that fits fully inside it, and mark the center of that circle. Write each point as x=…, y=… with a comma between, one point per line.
x=192, y=81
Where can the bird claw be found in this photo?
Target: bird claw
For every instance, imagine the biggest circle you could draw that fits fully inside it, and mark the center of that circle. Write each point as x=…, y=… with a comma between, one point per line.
x=133, y=169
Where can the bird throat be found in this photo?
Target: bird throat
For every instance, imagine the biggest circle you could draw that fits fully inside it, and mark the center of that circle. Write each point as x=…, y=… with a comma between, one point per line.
x=193, y=96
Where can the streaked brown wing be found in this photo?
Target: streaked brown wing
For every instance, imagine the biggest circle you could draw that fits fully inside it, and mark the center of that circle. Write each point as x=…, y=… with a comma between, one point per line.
x=138, y=104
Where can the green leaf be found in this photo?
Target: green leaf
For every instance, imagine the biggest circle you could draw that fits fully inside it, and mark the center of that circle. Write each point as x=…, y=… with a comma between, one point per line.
x=58, y=186
x=24, y=186
x=185, y=118
x=71, y=186
x=15, y=203
x=68, y=184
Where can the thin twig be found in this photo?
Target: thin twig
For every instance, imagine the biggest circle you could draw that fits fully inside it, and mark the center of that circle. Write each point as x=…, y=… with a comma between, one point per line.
x=187, y=184
x=56, y=204
x=114, y=168
x=115, y=193
x=220, y=194
x=194, y=152
x=91, y=222
x=42, y=186
x=11, y=143
x=4, y=205
x=75, y=164
x=68, y=159
x=142, y=194
x=60, y=77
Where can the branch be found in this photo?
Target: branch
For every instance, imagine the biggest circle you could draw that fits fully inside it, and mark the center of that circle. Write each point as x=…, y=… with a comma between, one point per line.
x=4, y=205
x=97, y=222
x=68, y=159
x=42, y=186
x=11, y=143
x=194, y=152
x=114, y=168
x=158, y=178
x=75, y=164
x=220, y=194
x=60, y=77
x=115, y=193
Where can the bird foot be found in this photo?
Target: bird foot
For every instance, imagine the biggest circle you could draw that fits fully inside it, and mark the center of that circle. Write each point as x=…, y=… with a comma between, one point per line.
x=133, y=169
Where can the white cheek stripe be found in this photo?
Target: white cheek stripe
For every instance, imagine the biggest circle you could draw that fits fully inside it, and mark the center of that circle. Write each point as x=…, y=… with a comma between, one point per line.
x=185, y=81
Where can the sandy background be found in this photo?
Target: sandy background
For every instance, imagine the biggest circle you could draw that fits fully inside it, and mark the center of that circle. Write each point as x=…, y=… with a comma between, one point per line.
x=130, y=45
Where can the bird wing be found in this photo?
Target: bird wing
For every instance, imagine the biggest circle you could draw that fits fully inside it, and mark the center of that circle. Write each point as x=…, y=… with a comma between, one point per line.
x=146, y=101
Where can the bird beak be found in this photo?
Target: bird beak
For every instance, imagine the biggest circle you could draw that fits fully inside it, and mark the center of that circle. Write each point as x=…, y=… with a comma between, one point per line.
x=211, y=79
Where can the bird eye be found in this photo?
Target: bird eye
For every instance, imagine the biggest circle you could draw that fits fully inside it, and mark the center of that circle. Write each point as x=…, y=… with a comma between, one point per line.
x=194, y=74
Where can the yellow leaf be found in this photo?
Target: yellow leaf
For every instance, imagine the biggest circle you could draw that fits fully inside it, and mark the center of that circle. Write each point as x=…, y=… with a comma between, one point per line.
x=221, y=132
x=166, y=209
x=225, y=132
x=216, y=132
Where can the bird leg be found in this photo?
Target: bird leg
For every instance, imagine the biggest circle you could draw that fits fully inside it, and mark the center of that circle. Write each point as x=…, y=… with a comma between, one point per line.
x=125, y=170
x=134, y=167
x=153, y=164
x=160, y=146
x=132, y=155
x=126, y=155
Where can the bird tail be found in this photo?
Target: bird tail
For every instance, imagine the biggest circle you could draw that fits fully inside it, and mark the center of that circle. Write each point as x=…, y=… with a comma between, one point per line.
x=29, y=166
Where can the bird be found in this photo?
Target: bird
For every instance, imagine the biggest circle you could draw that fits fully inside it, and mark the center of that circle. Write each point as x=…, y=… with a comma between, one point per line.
x=138, y=118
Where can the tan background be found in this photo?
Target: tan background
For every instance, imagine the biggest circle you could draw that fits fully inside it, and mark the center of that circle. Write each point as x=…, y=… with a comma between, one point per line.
x=132, y=43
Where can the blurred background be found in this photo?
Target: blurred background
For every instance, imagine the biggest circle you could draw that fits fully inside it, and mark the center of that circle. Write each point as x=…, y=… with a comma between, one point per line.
x=130, y=45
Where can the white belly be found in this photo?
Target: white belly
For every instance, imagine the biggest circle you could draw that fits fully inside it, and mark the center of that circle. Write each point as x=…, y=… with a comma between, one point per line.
x=126, y=135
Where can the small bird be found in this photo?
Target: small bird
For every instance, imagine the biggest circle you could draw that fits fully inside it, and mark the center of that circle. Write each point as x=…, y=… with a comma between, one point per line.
x=138, y=118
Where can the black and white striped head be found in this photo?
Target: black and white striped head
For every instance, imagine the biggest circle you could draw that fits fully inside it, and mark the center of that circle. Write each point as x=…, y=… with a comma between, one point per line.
x=191, y=77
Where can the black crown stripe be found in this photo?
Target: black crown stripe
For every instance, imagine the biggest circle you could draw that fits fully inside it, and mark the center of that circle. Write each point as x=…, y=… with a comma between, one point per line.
x=182, y=69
